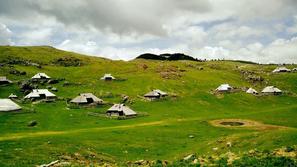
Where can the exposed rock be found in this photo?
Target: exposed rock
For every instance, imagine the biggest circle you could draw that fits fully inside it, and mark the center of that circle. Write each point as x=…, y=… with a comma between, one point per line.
x=195, y=161
x=26, y=86
x=48, y=87
x=50, y=164
x=191, y=136
x=66, y=83
x=68, y=61
x=17, y=72
x=215, y=149
x=32, y=123
x=189, y=157
x=53, y=81
x=54, y=89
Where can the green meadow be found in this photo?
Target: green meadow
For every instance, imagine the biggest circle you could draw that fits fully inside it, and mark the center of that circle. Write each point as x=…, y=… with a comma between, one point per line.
x=162, y=130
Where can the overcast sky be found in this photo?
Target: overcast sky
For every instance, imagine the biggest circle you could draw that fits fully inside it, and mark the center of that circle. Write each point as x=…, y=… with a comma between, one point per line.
x=258, y=30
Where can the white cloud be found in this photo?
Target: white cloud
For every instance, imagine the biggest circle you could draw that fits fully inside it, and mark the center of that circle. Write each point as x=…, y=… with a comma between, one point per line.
x=36, y=36
x=5, y=35
x=123, y=29
x=278, y=51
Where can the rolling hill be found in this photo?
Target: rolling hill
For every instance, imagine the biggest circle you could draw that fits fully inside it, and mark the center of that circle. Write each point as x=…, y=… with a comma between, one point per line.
x=167, y=129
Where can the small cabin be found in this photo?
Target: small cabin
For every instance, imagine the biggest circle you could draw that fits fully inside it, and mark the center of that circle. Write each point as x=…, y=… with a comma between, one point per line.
x=224, y=88
x=155, y=94
x=4, y=81
x=8, y=105
x=40, y=77
x=271, y=90
x=120, y=110
x=39, y=94
x=107, y=77
x=252, y=91
x=281, y=69
x=86, y=98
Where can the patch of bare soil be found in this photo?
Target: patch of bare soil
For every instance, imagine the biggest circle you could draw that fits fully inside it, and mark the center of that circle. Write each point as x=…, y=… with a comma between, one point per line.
x=243, y=123
x=169, y=71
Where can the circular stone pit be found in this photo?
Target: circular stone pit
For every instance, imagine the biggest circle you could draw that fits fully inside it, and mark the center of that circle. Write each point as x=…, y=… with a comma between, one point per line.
x=229, y=123
x=235, y=123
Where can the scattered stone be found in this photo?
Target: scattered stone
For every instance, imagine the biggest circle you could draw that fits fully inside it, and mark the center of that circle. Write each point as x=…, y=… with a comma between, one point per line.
x=66, y=83
x=125, y=98
x=141, y=162
x=187, y=158
x=26, y=86
x=68, y=61
x=48, y=87
x=195, y=161
x=17, y=72
x=18, y=149
x=191, y=136
x=65, y=164
x=54, y=89
x=50, y=164
x=32, y=123
x=53, y=81
x=215, y=149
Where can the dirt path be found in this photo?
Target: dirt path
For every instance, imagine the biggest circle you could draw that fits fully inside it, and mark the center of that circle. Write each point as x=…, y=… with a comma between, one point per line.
x=52, y=133
x=15, y=136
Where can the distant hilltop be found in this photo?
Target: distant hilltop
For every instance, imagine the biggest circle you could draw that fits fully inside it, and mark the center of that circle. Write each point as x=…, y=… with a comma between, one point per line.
x=167, y=56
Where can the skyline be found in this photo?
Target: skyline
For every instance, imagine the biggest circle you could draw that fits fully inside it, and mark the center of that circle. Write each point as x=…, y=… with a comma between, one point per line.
x=262, y=32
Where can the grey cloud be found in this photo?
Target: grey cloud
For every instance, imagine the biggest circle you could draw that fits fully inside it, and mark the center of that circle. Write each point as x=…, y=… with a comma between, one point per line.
x=119, y=16
x=5, y=35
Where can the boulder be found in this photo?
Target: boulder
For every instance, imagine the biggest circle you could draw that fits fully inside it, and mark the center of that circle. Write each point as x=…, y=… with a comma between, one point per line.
x=53, y=81
x=32, y=123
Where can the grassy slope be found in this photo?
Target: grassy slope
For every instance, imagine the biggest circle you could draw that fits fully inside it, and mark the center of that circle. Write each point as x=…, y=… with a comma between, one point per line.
x=161, y=135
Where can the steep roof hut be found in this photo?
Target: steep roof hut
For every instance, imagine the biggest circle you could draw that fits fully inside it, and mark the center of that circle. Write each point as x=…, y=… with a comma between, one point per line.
x=39, y=76
x=4, y=80
x=162, y=93
x=224, y=88
x=107, y=77
x=155, y=94
x=8, y=105
x=251, y=91
x=40, y=94
x=12, y=96
x=120, y=110
x=86, y=98
x=271, y=90
x=281, y=69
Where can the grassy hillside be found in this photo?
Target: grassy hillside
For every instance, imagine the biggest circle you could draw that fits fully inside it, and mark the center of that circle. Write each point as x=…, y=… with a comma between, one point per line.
x=163, y=133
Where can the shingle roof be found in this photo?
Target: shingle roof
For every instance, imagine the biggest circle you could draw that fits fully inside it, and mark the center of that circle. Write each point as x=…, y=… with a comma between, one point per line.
x=8, y=105
x=224, y=87
x=251, y=91
x=107, y=76
x=122, y=108
x=3, y=79
x=40, y=75
x=12, y=96
x=271, y=89
x=82, y=98
x=37, y=92
x=281, y=69
x=155, y=93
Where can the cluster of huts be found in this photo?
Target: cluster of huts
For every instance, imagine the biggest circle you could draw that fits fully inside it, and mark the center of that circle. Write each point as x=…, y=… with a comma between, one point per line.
x=81, y=99
x=116, y=109
x=269, y=90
